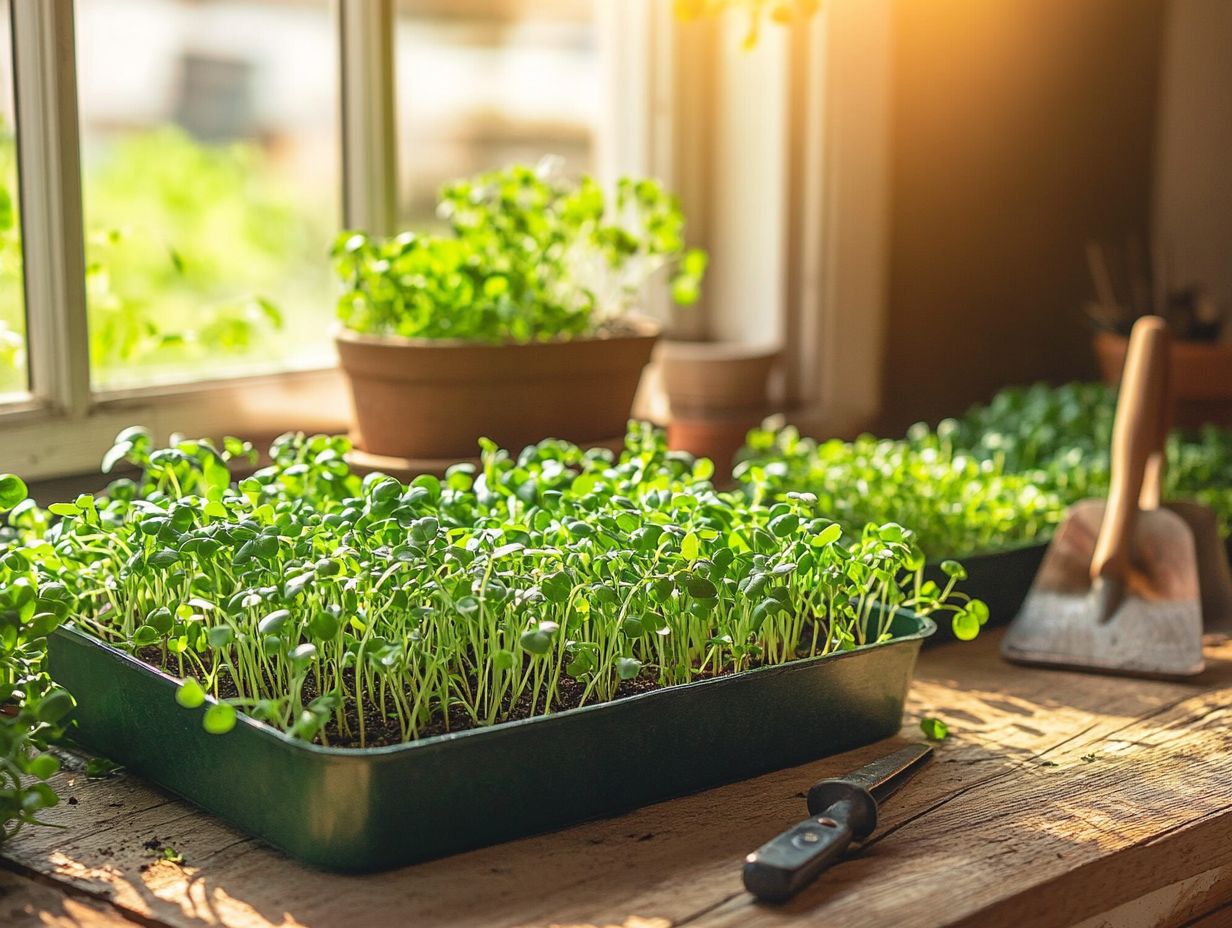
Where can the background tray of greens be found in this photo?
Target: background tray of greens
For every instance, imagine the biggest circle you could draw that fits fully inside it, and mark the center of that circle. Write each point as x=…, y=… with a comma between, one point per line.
x=988, y=488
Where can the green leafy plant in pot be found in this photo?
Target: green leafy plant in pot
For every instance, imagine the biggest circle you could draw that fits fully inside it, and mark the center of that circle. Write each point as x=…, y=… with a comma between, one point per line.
x=517, y=324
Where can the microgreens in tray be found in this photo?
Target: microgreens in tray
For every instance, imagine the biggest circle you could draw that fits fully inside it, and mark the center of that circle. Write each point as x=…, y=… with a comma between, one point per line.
x=358, y=613
x=998, y=478
x=1059, y=437
x=954, y=502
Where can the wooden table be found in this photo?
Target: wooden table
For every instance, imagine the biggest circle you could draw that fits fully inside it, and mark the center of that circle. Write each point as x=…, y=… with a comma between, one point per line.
x=1058, y=799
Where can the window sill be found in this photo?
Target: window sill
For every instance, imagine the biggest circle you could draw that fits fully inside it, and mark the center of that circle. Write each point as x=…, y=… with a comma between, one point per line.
x=42, y=443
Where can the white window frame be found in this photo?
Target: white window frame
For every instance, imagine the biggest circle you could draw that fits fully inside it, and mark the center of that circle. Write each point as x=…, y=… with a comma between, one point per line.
x=781, y=158
x=63, y=426
x=837, y=265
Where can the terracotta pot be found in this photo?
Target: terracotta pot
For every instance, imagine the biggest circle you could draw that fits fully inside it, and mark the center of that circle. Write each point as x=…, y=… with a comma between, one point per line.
x=407, y=469
x=714, y=437
x=1201, y=378
x=434, y=399
x=709, y=378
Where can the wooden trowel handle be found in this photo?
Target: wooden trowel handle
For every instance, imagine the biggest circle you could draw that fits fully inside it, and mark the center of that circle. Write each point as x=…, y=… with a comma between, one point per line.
x=1135, y=436
x=1152, y=495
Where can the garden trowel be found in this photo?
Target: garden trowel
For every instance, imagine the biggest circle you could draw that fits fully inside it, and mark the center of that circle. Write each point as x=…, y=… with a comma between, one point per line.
x=1214, y=575
x=1118, y=591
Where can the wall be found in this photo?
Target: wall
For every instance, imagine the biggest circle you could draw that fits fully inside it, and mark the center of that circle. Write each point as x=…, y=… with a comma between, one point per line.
x=747, y=270
x=1021, y=129
x=1193, y=178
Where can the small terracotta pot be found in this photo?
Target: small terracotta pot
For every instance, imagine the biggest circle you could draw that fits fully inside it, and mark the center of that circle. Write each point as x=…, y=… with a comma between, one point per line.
x=434, y=399
x=1200, y=372
x=723, y=378
x=714, y=437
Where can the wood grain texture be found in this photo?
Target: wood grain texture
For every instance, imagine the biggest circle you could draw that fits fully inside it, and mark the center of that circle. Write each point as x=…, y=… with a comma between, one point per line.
x=1174, y=906
x=26, y=902
x=1057, y=798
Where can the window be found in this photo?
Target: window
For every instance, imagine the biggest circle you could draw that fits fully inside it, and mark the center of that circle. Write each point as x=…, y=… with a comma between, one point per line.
x=210, y=176
x=482, y=84
x=182, y=173
x=137, y=313
x=13, y=367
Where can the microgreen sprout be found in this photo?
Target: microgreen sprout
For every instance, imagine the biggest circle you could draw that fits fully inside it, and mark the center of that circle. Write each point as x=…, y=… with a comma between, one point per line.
x=934, y=729
x=99, y=768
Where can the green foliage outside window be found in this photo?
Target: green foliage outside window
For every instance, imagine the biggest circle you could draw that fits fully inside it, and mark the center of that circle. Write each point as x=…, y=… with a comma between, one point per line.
x=186, y=245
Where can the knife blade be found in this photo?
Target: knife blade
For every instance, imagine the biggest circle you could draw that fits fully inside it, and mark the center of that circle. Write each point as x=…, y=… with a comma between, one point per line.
x=841, y=810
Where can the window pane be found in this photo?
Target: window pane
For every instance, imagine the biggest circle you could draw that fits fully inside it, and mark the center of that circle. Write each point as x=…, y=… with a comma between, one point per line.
x=13, y=369
x=211, y=184
x=486, y=83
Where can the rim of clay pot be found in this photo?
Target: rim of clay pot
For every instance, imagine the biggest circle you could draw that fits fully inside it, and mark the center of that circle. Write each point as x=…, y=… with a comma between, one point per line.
x=688, y=350
x=1221, y=345
x=638, y=327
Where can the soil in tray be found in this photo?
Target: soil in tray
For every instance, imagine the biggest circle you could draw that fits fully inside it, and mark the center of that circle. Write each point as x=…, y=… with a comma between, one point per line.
x=380, y=732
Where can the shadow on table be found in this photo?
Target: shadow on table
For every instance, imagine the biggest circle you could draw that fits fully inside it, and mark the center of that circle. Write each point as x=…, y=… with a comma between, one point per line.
x=669, y=860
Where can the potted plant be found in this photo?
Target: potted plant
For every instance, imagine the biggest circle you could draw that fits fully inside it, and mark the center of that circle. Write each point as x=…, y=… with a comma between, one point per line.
x=1200, y=353
x=378, y=673
x=517, y=324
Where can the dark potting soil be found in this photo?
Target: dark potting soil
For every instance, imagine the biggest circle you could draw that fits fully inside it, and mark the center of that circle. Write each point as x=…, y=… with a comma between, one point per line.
x=381, y=732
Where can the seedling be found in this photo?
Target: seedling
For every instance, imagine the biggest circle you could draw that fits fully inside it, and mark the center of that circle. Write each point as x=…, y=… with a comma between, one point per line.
x=156, y=849
x=955, y=503
x=1060, y=437
x=32, y=708
x=99, y=768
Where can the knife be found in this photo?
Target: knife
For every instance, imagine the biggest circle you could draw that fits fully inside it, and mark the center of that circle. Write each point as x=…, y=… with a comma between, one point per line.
x=841, y=810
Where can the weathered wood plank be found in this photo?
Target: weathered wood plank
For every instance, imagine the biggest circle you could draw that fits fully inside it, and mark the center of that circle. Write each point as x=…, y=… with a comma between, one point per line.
x=26, y=902
x=1058, y=797
x=1177, y=906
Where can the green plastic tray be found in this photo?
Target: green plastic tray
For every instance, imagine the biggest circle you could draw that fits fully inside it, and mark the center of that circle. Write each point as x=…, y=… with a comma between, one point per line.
x=1002, y=579
x=377, y=808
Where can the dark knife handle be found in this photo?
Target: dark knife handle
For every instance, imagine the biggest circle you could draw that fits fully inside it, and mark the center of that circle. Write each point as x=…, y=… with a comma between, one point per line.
x=780, y=868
